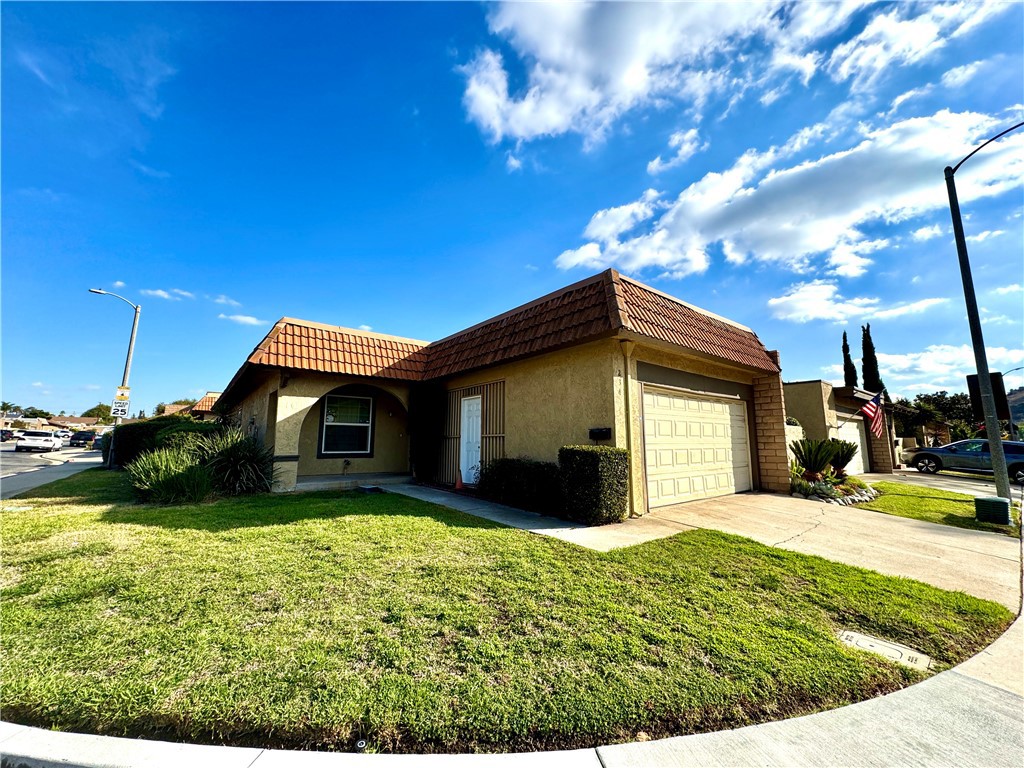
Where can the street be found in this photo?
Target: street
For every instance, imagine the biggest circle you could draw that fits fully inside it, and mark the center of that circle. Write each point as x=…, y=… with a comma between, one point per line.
x=22, y=471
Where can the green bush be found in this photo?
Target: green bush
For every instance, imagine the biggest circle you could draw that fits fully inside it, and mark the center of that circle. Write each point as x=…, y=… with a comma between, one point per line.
x=814, y=456
x=522, y=483
x=843, y=453
x=170, y=476
x=172, y=434
x=595, y=483
x=132, y=440
x=102, y=443
x=239, y=464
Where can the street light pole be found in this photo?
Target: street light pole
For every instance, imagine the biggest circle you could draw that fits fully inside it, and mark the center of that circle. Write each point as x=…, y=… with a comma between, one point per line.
x=127, y=362
x=988, y=405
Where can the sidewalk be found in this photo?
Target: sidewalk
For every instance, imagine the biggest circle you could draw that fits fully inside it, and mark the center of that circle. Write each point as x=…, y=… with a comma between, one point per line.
x=26, y=481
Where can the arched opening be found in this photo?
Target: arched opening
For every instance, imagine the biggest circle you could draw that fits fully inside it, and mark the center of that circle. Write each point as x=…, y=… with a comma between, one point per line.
x=355, y=429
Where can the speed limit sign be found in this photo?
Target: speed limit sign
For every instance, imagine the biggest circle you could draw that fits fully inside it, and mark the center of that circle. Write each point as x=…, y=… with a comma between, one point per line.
x=119, y=408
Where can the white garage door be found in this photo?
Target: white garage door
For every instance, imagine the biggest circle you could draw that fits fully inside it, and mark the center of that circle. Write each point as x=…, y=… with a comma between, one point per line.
x=695, y=447
x=853, y=431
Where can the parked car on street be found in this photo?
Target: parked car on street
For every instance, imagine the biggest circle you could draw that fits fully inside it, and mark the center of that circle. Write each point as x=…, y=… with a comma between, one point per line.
x=968, y=456
x=82, y=439
x=38, y=440
x=6, y=434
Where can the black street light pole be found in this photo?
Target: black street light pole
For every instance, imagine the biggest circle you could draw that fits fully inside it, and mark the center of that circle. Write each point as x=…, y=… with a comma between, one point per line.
x=988, y=405
x=127, y=362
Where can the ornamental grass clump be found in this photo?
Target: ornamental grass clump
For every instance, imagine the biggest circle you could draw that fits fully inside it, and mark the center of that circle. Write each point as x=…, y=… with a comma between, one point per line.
x=170, y=476
x=240, y=464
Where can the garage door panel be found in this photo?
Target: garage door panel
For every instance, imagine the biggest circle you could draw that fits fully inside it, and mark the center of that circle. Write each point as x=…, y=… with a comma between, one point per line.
x=853, y=431
x=696, y=447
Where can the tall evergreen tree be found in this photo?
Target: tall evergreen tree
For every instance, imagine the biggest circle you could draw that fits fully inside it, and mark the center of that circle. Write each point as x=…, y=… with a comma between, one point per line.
x=849, y=369
x=869, y=362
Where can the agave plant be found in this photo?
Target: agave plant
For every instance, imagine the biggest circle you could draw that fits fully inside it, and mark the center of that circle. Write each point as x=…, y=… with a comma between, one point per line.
x=844, y=453
x=814, y=456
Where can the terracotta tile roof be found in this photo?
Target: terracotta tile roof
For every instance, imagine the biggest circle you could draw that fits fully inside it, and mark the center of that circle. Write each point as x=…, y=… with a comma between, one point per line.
x=205, y=403
x=659, y=316
x=172, y=408
x=604, y=305
x=332, y=349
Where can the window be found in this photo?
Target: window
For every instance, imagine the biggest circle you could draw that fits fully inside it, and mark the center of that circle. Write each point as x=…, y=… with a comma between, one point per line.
x=347, y=425
x=973, y=446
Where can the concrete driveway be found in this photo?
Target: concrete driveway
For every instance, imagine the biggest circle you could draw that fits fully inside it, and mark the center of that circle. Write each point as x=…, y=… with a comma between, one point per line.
x=982, y=564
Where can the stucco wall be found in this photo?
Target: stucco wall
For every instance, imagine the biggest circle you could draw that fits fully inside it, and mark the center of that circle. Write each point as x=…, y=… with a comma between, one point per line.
x=390, y=441
x=554, y=399
x=811, y=403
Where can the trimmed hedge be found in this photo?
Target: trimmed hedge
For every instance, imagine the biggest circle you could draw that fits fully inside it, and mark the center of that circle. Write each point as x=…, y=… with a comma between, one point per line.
x=595, y=483
x=132, y=440
x=523, y=483
x=166, y=436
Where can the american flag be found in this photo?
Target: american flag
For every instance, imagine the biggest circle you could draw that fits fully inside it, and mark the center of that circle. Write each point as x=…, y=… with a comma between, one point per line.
x=873, y=410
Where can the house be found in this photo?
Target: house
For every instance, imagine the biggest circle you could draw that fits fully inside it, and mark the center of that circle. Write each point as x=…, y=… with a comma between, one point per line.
x=172, y=408
x=202, y=409
x=696, y=399
x=825, y=411
x=74, y=422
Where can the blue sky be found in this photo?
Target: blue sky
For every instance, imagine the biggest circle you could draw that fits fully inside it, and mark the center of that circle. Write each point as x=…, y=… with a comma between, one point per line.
x=416, y=168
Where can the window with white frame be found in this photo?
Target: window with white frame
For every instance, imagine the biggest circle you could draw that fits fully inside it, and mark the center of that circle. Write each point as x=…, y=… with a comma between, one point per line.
x=347, y=424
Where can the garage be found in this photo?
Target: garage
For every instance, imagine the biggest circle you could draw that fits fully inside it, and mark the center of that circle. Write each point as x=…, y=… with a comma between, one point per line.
x=851, y=429
x=695, y=446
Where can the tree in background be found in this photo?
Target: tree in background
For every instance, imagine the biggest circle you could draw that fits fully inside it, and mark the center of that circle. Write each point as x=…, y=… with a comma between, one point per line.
x=99, y=411
x=8, y=407
x=869, y=362
x=35, y=413
x=849, y=369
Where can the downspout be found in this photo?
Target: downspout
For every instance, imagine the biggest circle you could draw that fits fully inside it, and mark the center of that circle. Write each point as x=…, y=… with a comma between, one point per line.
x=627, y=351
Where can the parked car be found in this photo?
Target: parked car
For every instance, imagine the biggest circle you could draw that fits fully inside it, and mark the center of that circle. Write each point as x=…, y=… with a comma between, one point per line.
x=967, y=455
x=82, y=439
x=6, y=434
x=37, y=440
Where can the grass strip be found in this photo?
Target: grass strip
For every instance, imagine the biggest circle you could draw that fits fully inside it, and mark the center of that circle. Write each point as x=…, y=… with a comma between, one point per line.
x=311, y=621
x=935, y=506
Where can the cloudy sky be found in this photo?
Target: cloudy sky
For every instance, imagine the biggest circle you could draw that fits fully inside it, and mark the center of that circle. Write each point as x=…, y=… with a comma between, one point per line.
x=417, y=168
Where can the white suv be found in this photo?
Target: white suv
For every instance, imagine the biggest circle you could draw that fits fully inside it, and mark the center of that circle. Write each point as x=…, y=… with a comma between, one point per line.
x=37, y=440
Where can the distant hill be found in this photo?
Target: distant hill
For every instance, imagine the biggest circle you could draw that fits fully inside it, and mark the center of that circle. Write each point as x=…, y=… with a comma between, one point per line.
x=1015, y=397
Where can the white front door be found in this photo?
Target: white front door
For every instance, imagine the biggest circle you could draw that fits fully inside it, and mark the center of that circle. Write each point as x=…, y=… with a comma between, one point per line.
x=469, y=440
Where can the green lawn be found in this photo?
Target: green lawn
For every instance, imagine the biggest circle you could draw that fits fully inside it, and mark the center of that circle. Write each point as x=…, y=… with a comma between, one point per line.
x=934, y=506
x=311, y=621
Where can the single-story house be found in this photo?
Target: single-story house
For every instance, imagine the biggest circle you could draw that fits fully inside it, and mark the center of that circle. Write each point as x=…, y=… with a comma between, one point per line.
x=825, y=411
x=696, y=399
x=74, y=422
x=202, y=409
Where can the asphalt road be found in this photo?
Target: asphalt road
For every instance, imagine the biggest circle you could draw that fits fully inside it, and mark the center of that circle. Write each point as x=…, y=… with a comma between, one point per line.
x=23, y=471
x=973, y=485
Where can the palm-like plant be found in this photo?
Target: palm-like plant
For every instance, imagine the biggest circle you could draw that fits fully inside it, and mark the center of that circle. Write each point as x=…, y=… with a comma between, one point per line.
x=814, y=456
x=844, y=451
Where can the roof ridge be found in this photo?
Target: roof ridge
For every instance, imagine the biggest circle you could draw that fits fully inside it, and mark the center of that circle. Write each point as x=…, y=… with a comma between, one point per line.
x=353, y=331
x=618, y=311
x=687, y=304
x=261, y=349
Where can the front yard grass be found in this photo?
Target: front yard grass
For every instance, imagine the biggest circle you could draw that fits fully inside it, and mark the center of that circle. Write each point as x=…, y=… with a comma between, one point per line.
x=311, y=621
x=935, y=506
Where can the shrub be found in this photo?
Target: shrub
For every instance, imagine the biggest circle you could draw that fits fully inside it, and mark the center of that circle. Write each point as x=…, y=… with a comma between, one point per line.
x=170, y=476
x=792, y=422
x=843, y=453
x=170, y=434
x=132, y=440
x=798, y=485
x=814, y=456
x=102, y=443
x=824, y=490
x=239, y=464
x=523, y=483
x=595, y=483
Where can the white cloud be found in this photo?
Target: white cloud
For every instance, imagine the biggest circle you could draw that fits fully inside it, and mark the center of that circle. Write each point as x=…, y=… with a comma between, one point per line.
x=138, y=64
x=119, y=284
x=153, y=173
x=1015, y=288
x=791, y=214
x=92, y=387
x=927, y=233
x=39, y=384
x=159, y=293
x=531, y=267
x=821, y=300
x=185, y=294
x=958, y=76
x=906, y=96
x=227, y=301
x=982, y=236
x=512, y=163
x=940, y=366
x=365, y=328
x=685, y=143
x=243, y=319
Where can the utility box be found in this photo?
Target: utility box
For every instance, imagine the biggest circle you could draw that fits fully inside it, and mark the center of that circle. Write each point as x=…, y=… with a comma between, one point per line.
x=992, y=509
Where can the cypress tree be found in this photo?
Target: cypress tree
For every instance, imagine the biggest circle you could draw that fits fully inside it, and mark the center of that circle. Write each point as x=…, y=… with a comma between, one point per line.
x=869, y=362
x=849, y=369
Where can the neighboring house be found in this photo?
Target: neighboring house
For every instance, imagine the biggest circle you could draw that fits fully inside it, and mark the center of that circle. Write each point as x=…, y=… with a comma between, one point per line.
x=695, y=398
x=74, y=422
x=203, y=408
x=30, y=423
x=825, y=411
x=172, y=408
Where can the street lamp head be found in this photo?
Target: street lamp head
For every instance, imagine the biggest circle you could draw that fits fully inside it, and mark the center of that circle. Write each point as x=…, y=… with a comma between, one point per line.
x=97, y=290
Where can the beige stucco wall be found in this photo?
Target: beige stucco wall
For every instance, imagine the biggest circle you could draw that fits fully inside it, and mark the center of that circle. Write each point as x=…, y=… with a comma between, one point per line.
x=390, y=441
x=812, y=404
x=553, y=399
